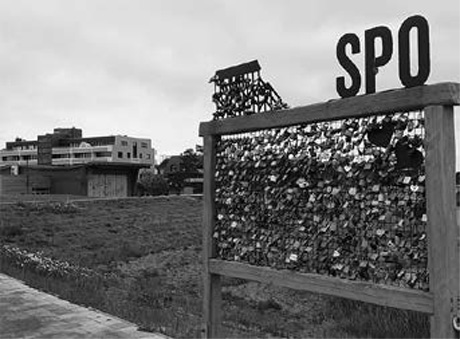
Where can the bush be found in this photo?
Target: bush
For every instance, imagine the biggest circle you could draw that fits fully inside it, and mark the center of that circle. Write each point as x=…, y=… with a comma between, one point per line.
x=8, y=231
x=150, y=183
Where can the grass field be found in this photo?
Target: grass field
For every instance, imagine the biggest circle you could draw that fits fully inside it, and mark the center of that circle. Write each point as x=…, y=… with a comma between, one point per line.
x=145, y=257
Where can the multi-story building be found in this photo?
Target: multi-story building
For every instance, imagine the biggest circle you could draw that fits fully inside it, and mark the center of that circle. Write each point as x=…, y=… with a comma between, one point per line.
x=64, y=162
x=66, y=146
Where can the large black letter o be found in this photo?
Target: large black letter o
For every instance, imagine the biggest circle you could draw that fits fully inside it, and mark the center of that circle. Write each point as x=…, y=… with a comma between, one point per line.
x=423, y=37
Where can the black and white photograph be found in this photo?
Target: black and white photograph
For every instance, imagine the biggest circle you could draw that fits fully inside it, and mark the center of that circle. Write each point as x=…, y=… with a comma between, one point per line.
x=229, y=169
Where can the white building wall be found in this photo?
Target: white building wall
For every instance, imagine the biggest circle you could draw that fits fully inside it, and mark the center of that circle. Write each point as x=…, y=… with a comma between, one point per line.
x=125, y=150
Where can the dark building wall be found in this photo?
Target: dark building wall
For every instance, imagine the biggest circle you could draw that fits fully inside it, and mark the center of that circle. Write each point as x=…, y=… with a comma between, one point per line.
x=11, y=144
x=195, y=187
x=45, y=149
x=25, y=182
x=38, y=179
x=69, y=181
x=68, y=132
x=116, y=180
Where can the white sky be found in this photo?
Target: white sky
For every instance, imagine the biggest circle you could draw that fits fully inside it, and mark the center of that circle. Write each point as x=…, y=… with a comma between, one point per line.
x=141, y=67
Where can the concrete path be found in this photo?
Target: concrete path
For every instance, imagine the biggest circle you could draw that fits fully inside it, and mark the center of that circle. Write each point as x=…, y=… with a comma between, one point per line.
x=28, y=313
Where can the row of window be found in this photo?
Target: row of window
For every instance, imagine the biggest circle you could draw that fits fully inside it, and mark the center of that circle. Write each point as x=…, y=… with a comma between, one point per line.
x=78, y=144
x=76, y=155
x=83, y=155
x=25, y=147
x=57, y=156
x=73, y=144
x=128, y=155
x=89, y=144
x=143, y=144
x=19, y=158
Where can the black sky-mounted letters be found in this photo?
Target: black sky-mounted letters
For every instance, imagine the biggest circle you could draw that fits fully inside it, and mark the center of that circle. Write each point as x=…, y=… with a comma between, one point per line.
x=348, y=65
x=372, y=62
x=423, y=43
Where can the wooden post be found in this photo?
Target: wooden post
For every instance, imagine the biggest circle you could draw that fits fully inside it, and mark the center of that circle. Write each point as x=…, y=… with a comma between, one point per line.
x=211, y=282
x=443, y=230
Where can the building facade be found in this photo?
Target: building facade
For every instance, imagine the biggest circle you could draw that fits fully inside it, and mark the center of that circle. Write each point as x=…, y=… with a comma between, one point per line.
x=63, y=162
x=92, y=180
x=66, y=146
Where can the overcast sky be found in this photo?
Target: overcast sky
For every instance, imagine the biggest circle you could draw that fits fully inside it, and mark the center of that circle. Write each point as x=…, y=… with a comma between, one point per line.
x=141, y=67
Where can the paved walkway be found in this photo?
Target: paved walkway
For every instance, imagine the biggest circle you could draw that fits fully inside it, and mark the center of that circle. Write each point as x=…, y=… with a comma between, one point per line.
x=28, y=313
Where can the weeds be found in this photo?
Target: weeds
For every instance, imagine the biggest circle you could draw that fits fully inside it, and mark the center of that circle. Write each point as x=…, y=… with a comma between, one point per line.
x=8, y=230
x=48, y=207
x=77, y=284
x=141, y=261
x=372, y=321
x=37, y=262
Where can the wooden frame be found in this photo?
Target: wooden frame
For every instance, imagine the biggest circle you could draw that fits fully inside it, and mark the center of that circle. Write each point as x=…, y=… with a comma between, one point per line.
x=442, y=229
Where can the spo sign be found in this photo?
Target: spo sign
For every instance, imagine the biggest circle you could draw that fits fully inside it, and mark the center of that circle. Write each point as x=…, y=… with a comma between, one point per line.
x=372, y=61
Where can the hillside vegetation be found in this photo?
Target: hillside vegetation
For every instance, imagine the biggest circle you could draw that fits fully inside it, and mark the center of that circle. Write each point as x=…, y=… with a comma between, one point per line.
x=140, y=259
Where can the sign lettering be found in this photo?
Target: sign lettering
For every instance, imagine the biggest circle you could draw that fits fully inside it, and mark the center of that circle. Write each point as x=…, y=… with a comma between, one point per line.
x=372, y=61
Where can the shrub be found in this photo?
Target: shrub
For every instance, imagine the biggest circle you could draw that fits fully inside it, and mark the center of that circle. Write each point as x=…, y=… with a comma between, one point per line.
x=150, y=183
x=8, y=230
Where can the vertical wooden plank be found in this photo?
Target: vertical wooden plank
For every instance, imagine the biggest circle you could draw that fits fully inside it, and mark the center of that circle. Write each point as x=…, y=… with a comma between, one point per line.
x=443, y=231
x=124, y=185
x=212, y=288
x=110, y=185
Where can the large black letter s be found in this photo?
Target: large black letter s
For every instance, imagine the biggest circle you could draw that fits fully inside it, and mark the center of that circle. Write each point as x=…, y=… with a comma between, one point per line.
x=348, y=65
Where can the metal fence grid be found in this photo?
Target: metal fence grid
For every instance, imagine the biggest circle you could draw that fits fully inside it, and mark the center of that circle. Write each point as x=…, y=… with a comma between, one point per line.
x=343, y=198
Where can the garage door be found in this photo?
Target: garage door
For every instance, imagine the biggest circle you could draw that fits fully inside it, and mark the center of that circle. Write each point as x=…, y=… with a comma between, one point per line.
x=108, y=185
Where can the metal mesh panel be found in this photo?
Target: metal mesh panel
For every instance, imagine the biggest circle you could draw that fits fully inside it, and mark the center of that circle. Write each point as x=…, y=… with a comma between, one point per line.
x=343, y=198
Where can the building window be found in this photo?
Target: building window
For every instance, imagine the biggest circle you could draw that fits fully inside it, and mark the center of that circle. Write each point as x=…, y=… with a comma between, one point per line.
x=128, y=155
x=144, y=145
x=148, y=156
x=140, y=155
x=124, y=143
x=83, y=155
x=120, y=154
x=103, y=154
x=134, y=149
x=61, y=156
